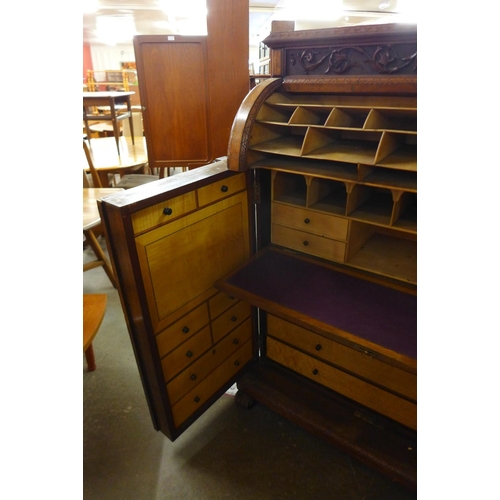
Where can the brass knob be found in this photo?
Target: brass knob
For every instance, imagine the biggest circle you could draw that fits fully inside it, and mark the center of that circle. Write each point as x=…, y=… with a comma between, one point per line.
x=167, y=211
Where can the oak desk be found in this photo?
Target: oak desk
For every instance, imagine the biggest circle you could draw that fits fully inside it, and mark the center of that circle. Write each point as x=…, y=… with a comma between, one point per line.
x=111, y=99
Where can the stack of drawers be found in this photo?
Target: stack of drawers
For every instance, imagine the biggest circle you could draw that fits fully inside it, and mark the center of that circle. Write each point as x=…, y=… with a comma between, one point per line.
x=354, y=372
x=311, y=232
x=203, y=350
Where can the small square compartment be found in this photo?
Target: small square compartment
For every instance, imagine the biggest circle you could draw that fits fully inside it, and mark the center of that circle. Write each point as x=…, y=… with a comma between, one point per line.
x=290, y=189
x=327, y=195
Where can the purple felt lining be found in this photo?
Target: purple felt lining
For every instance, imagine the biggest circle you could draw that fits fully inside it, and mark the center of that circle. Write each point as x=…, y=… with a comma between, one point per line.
x=379, y=314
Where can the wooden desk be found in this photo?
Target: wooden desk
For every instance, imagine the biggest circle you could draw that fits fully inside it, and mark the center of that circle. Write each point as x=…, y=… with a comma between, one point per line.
x=106, y=161
x=108, y=99
x=91, y=220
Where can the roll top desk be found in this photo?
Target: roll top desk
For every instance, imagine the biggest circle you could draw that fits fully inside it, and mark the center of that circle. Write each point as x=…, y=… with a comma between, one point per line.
x=290, y=268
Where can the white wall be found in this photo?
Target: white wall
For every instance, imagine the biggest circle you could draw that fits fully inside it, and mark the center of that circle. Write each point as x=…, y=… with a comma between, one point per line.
x=105, y=57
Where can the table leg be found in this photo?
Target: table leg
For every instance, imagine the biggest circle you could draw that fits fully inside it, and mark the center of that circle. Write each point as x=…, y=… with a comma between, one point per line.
x=101, y=258
x=116, y=127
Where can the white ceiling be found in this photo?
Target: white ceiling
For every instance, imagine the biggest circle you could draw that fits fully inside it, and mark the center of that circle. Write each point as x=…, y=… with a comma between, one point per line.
x=149, y=18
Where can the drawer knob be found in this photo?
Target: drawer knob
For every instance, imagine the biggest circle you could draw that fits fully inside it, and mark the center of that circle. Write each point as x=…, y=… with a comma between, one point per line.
x=167, y=211
x=236, y=341
x=189, y=354
x=307, y=220
x=306, y=243
x=315, y=371
x=234, y=318
x=196, y=399
x=185, y=329
x=193, y=376
x=224, y=189
x=318, y=347
x=236, y=363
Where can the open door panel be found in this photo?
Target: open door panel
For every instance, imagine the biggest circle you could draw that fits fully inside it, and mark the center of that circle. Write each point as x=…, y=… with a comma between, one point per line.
x=169, y=242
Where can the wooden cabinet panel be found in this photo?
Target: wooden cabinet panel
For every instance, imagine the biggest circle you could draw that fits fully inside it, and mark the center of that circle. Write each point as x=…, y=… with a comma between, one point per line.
x=170, y=67
x=173, y=278
x=191, y=87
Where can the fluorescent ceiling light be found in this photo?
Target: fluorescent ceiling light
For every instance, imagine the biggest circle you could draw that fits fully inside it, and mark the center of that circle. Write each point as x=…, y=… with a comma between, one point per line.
x=115, y=29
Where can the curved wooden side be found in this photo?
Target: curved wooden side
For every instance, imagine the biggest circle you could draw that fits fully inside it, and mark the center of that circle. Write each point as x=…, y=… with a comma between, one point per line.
x=242, y=124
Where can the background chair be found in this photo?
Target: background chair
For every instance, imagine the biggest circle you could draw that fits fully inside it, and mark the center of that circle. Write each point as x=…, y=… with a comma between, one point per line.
x=94, y=307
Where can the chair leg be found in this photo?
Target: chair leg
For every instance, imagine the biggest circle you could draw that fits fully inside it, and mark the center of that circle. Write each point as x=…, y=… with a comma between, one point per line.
x=89, y=356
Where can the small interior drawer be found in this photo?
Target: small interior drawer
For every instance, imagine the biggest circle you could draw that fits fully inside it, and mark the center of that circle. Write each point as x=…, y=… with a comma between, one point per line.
x=218, y=190
x=183, y=329
x=200, y=394
x=230, y=319
x=186, y=353
x=308, y=243
x=220, y=303
x=313, y=222
x=164, y=212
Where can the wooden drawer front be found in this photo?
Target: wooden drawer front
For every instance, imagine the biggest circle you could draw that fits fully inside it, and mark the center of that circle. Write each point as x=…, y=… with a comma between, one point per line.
x=230, y=319
x=196, y=397
x=183, y=329
x=352, y=387
x=308, y=243
x=357, y=362
x=200, y=369
x=163, y=212
x=221, y=189
x=186, y=353
x=220, y=303
x=330, y=226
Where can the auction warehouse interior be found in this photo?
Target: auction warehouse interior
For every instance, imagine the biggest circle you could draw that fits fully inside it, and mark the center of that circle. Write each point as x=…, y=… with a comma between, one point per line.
x=250, y=250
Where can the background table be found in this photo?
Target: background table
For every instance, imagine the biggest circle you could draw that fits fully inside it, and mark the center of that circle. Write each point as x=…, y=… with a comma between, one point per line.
x=108, y=99
x=106, y=161
x=92, y=220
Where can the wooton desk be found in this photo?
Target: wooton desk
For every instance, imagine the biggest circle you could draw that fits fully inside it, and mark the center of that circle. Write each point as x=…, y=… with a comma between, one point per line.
x=292, y=270
x=108, y=99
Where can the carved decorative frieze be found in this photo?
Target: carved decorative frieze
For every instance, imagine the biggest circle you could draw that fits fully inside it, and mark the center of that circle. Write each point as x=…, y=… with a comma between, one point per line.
x=353, y=60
